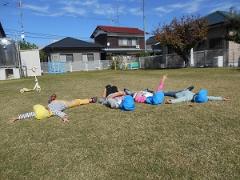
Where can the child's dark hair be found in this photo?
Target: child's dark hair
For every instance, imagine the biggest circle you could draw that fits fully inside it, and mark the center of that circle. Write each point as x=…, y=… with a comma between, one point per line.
x=111, y=89
x=52, y=98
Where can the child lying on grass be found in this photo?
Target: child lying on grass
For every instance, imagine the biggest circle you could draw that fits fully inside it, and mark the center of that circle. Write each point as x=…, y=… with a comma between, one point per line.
x=116, y=99
x=147, y=96
x=187, y=95
x=55, y=107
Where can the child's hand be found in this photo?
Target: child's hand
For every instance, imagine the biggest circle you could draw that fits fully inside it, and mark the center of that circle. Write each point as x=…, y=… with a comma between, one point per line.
x=13, y=120
x=164, y=77
x=168, y=101
x=65, y=120
x=226, y=99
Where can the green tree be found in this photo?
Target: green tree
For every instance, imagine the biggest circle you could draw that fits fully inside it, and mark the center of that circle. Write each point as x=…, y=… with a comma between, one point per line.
x=27, y=45
x=43, y=56
x=182, y=35
x=234, y=28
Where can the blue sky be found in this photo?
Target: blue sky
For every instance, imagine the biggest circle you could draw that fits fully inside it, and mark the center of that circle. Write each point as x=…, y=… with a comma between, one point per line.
x=45, y=21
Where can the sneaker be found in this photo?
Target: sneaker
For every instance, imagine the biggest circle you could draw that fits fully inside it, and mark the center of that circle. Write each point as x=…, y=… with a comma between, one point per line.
x=128, y=92
x=148, y=90
x=190, y=88
x=93, y=99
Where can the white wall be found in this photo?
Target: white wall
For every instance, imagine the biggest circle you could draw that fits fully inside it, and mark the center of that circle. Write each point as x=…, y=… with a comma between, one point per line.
x=30, y=59
x=16, y=74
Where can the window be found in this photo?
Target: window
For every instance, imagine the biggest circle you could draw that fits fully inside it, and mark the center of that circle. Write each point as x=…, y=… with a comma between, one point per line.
x=66, y=57
x=9, y=73
x=127, y=42
x=134, y=42
x=216, y=43
x=90, y=57
x=69, y=57
x=122, y=42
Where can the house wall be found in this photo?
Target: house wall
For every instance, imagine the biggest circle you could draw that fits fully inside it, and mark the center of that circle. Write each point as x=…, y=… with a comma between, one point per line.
x=77, y=56
x=101, y=39
x=15, y=75
x=234, y=54
x=217, y=32
x=1, y=35
x=114, y=42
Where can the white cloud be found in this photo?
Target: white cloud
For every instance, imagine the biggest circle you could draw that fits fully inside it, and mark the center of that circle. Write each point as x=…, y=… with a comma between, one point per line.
x=39, y=9
x=71, y=10
x=163, y=10
x=136, y=11
x=86, y=8
x=188, y=7
x=89, y=2
x=103, y=9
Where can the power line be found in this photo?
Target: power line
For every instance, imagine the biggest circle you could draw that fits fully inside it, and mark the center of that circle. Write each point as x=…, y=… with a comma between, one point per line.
x=36, y=33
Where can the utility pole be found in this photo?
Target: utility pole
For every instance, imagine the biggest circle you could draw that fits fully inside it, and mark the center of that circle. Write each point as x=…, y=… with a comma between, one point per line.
x=144, y=24
x=21, y=20
x=115, y=17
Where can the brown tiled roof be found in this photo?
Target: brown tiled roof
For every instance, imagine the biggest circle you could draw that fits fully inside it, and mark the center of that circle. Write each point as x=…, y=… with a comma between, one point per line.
x=115, y=29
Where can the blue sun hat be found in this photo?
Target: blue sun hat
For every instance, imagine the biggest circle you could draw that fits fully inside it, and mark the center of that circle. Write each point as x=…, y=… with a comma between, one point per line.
x=157, y=98
x=127, y=103
x=201, y=96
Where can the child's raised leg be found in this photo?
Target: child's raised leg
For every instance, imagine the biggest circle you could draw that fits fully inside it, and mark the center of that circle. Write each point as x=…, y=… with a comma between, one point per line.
x=161, y=83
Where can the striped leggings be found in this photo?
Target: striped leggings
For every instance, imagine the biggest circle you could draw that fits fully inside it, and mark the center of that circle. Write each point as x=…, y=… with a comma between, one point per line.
x=26, y=115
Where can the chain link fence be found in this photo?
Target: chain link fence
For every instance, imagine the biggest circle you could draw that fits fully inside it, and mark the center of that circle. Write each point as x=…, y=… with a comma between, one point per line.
x=207, y=58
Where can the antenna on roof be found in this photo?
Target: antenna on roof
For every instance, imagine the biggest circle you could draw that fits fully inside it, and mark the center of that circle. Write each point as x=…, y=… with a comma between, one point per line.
x=232, y=10
x=115, y=18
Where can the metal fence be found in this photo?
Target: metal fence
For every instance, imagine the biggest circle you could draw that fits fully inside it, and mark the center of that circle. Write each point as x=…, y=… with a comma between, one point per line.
x=61, y=67
x=207, y=58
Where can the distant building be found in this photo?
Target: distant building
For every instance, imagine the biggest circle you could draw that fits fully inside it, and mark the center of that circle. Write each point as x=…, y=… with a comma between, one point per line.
x=123, y=41
x=153, y=45
x=2, y=32
x=9, y=59
x=215, y=46
x=73, y=50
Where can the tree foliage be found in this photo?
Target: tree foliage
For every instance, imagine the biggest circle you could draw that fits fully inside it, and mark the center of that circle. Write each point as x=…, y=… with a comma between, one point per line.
x=43, y=56
x=182, y=35
x=234, y=28
x=24, y=45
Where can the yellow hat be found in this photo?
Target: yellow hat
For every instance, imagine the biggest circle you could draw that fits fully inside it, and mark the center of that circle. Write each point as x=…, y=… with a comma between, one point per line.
x=41, y=112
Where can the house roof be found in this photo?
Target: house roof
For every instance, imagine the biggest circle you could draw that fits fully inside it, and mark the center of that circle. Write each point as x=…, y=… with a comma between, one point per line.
x=151, y=40
x=72, y=43
x=218, y=17
x=2, y=33
x=116, y=29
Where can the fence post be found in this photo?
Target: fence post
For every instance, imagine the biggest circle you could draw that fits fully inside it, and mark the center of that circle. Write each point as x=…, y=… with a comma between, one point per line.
x=70, y=64
x=191, y=58
x=205, y=58
x=100, y=65
x=86, y=66
x=166, y=60
x=140, y=62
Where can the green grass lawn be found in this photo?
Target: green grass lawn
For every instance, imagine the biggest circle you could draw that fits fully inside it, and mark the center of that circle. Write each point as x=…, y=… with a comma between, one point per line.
x=154, y=142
